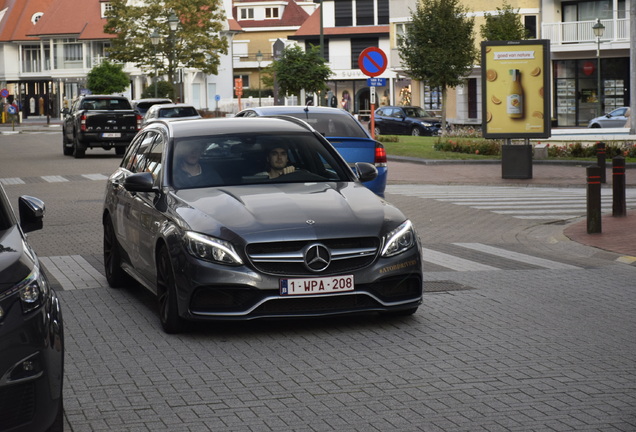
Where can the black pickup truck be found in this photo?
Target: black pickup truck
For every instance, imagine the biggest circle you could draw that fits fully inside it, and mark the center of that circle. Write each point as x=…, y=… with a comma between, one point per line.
x=99, y=121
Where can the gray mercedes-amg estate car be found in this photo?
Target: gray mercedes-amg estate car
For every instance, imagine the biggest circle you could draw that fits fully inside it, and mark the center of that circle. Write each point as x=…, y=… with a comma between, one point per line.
x=246, y=218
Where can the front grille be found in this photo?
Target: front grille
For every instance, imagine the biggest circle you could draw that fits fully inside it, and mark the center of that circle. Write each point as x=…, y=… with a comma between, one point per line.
x=288, y=258
x=17, y=405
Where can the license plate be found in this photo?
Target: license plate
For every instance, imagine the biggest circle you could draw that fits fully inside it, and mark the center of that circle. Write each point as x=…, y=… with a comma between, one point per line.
x=111, y=135
x=322, y=285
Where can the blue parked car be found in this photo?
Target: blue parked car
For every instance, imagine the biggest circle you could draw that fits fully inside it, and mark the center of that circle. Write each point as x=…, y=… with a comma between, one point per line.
x=405, y=120
x=342, y=130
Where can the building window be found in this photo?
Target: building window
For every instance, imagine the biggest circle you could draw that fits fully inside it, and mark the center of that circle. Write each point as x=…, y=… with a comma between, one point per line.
x=344, y=13
x=530, y=24
x=106, y=8
x=245, y=78
x=364, y=12
x=68, y=54
x=359, y=45
x=271, y=12
x=36, y=17
x=247, y=13
x=31, y=58
x=316, y=42
x=383, y=12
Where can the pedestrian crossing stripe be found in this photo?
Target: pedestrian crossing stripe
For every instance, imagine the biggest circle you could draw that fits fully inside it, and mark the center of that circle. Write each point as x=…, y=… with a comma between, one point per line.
x=51, y=179
x=520, y=203
x=456, y=263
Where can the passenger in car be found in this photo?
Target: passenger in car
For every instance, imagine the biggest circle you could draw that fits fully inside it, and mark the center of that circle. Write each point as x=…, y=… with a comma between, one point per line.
x=188, y=172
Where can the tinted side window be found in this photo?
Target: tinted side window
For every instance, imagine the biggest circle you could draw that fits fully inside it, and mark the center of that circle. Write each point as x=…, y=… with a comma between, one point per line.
x=132, y=149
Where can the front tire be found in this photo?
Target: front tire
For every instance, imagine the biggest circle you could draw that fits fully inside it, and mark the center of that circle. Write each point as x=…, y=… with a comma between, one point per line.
x=377, y=131
x=115, y=275
x=68, y=151
x=167, y=294
x=416, y=131
x=79, y=151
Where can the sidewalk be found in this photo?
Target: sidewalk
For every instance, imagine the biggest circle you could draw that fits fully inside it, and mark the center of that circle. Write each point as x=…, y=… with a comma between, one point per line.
x=618, y=233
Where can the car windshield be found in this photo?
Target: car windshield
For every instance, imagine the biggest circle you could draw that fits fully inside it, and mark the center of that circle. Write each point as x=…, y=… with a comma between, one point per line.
x=240, y=159
x=332, y=125
x=416, y=112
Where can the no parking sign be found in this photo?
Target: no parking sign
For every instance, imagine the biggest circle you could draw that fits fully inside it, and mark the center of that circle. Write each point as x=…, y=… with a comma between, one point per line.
x=372, y=61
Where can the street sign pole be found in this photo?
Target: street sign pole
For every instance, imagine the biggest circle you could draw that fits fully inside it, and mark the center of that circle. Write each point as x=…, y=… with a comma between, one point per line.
x=372, y=116
x=373, y=62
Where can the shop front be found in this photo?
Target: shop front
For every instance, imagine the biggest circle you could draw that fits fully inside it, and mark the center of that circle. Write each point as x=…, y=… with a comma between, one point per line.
x=577, y=96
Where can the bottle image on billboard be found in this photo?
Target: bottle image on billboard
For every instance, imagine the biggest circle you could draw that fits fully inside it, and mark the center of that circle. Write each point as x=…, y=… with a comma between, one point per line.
x=514, y=100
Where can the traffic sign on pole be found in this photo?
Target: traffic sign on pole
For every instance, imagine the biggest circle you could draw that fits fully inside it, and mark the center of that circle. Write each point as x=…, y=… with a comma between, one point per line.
x=372, y=61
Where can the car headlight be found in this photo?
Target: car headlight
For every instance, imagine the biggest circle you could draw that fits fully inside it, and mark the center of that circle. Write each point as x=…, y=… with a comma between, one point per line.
x=426, y=124
x=33, y=290
x=212, y=249
x=399, y=240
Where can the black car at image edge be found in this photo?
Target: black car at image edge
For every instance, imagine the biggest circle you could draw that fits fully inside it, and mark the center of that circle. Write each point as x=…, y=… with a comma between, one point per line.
x=31, y=329
x=234, y=241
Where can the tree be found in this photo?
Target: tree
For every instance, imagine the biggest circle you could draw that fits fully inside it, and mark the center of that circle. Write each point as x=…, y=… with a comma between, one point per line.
x=195, y=44
x=505, y=26
x=438, y=46
x=298, y=70
x=164, y=90
x=107, y=78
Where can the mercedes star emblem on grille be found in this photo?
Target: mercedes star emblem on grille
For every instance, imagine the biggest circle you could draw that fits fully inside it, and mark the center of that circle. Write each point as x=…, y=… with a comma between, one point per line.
x=317, y=257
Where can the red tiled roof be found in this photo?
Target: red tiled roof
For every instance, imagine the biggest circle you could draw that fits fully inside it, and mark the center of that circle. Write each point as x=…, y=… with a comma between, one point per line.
x=234, y=25
x=311, y=28
x=72, y=17
x=293, y=16
x=16, y=23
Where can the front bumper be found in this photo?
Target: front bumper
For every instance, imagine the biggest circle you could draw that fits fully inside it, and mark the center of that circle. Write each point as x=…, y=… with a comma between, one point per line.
x=31, y=367
x=208, y=291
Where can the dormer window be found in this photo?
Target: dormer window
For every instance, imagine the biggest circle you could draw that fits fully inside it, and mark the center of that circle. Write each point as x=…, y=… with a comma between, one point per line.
x=271, y=12
x=106, y=8
x=247, y=13
x=35, y=17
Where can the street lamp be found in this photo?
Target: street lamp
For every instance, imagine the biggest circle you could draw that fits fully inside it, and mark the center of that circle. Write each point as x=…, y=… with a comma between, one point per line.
x=259, y=59
x=155, y=38
x=598, y=28
x=173, y=23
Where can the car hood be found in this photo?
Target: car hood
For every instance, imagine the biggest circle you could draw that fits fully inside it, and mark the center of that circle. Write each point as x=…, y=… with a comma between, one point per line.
x=16, y=258
x=286, y=211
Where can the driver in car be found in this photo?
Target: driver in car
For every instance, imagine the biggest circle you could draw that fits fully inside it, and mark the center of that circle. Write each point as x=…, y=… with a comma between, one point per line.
x=278, y=163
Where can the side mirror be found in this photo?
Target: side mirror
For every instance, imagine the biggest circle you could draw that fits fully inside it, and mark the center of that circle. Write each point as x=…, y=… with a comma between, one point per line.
x=140, y=182
x=366, y=171
x=31, y=211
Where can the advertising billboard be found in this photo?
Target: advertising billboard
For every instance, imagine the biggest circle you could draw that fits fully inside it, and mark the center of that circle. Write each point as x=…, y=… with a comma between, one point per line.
x=515, y=79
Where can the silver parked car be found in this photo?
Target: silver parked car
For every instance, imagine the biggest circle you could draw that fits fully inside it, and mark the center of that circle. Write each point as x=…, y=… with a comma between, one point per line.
x=172, y=111
x=248, y=218
x=614, y=119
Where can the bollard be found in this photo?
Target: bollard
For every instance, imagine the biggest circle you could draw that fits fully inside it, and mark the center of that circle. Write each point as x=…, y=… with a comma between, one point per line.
x=593, y=200
x=619, y=207
x=600, y=159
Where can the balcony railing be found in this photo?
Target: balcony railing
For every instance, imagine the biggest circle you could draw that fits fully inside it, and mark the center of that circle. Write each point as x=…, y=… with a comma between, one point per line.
x=581, y=31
